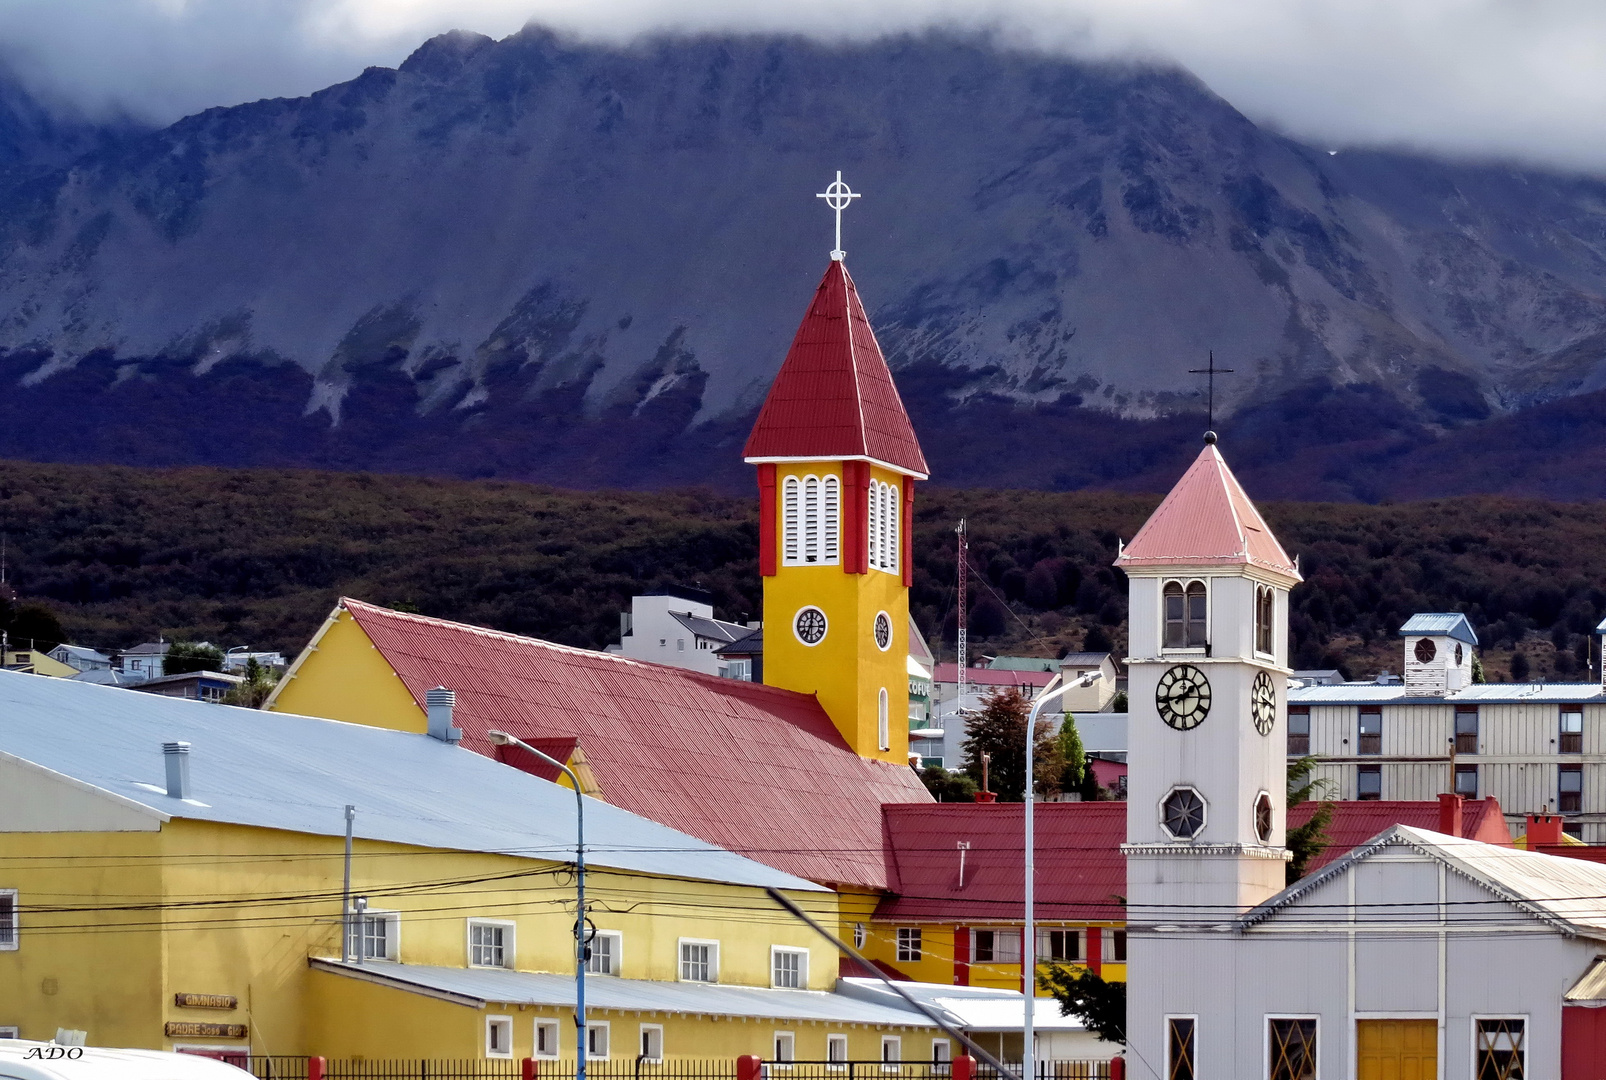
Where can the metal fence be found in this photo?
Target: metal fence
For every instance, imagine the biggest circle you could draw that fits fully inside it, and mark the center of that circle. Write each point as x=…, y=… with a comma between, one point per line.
x=297, y=1068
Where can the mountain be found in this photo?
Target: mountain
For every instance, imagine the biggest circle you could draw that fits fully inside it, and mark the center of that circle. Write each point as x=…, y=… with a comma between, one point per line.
x=582, y=264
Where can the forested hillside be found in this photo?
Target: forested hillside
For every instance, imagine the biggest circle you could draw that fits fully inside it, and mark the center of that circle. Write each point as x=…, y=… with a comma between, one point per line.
x=257, y=557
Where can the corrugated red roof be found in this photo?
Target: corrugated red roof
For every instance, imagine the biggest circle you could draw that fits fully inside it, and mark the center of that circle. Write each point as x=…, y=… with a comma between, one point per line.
x=949, y=673
x=1355, y=822
x=755, y=769
x=1206, y=520
x=834, y=397
x=1081, y=873
x=520, y=758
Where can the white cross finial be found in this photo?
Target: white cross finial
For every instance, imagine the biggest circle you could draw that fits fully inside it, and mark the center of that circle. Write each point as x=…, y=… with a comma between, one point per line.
x=837, y=197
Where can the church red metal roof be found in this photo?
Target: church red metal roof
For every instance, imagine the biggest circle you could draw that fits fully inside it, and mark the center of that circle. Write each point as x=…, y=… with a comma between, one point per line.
x=1081, y=873
x=834, y=396
x=754, y=769
x=1207, y=520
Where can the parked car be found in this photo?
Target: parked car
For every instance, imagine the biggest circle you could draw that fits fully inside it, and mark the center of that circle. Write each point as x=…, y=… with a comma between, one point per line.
x=22, y=1059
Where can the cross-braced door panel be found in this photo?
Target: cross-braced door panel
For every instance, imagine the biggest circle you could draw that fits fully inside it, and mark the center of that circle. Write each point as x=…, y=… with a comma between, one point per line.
x=1499, y=1053
x=1293, y=1049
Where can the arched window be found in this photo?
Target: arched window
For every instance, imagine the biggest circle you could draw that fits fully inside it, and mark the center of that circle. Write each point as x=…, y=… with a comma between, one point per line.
x=883, y=734
x=789, y=520
x=830, y=516
x=1265, y=609
x=811, y=519
x=1185, y=613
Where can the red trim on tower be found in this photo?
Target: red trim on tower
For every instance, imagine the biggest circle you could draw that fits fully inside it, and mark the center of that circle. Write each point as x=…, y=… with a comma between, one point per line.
x=766, y=521
x=855, y=504
x=906, y=532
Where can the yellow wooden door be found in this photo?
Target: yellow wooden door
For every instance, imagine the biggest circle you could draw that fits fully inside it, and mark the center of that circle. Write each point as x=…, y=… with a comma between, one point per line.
x=1397, y=1049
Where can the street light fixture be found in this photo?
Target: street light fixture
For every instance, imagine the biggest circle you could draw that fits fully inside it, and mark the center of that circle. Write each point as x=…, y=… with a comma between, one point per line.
x=502, y=738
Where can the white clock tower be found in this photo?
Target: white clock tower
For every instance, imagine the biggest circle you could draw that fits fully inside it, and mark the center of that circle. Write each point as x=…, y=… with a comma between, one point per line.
x=1208, y=736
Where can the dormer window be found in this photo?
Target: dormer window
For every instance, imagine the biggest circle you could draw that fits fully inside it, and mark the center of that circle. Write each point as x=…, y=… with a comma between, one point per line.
x=1265, y=611
x=1185, y=615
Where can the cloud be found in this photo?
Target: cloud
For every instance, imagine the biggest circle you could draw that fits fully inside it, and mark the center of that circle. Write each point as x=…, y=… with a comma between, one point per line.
x=1481, y=78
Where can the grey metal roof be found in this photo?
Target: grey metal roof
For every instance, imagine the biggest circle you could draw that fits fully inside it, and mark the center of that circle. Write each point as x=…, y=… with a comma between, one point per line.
x=282, y=771
x=713, y=629
x=1451, y=624
x=1476, y=694
x=1082, y=659
x=751, y=645
x=481, y=986
x=219, y=677
x=149, y=648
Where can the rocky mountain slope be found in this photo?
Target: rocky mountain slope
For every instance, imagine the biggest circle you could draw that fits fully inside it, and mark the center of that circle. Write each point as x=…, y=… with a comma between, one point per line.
x=582, y=264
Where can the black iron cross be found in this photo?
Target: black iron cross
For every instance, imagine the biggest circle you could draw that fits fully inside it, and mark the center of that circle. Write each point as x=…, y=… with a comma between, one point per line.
x=1211, y=371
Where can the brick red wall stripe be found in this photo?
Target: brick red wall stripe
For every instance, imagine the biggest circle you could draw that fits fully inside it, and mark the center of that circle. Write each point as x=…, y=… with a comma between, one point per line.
x=766, y=520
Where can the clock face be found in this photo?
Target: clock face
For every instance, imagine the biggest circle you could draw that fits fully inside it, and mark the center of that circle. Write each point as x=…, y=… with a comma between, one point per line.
x=1183, y=697
x=1263, y=703
x=810, y=626
x=883, y=631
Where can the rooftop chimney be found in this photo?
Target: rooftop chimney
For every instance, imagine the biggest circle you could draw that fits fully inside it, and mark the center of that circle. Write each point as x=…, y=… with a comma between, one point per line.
x=440, y=702
x=177, y=757
x=1450, y=814
x=1543, y=830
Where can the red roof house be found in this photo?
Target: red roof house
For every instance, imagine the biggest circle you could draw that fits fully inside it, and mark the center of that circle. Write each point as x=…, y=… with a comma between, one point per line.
x=755, y=769
x=1354, y=822
x=833, y=397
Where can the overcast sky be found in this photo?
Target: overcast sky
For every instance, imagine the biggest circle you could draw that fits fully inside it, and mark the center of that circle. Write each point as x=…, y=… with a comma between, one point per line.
x=1505, y=78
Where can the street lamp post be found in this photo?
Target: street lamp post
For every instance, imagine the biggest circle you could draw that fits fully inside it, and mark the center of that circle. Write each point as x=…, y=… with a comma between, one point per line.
x=502, y=738
x=1029, y=934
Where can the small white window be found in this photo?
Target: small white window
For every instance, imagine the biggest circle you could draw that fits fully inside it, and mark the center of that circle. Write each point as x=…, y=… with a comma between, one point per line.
x=891, y=1049
x=941, y=1055
x=699, y=960
x=789, y=968
x=908, y=943
x=376, y=935
x=836, y=1049
x=860, y=935
x=597, y=1039
x=995, y=946
x=8, y=919
x=546, y=1038
x=10, y=1033
x=883, y=729
x=605, y=948
x=499, y=1036
x=680, y=646
x=785, y=1045
x=652, y=1042
x=490, y=943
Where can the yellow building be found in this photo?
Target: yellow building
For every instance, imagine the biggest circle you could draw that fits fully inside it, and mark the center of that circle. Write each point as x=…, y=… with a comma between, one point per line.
x=171, y=875
x=35, y=662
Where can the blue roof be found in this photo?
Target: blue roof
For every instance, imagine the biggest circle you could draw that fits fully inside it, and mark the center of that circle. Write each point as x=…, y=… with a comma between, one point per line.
x=1476, y=694
x=282, y=771
x=1451, y=624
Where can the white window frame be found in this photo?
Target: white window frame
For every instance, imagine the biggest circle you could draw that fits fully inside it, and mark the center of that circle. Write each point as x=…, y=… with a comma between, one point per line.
x=942, y=1055
x=509, y=942
x=785, y=1061
x=893, y=1043
x=13, y=940
x=1186, y=650
x=615, y=955
x=1527, y=1032
x=1076, y=933
x=10, y=1031
x=861, y=934
x=832, y=1041
x=392, y=921
x=713, y=959
x=503, y=1024
x=916, y=954
x=605, y=1027
x=1107, y=945
x=651, y=1036
x=1265, y=1042
x=554, y=1026
x=1271, y=618
x=883, y=723
x=777, y=951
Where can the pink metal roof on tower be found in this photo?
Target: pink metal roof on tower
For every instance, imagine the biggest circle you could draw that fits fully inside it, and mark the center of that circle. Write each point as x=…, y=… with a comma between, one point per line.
x=1207, y=520
x=752, y=768
x=834, y=397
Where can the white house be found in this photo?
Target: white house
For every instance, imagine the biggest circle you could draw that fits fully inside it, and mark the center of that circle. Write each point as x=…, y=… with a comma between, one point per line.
x=677, y=627
x=1415, y=955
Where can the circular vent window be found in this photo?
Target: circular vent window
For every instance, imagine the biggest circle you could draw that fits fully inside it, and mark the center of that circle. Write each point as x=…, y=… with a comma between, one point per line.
x=883, y=631
x=1183, y=813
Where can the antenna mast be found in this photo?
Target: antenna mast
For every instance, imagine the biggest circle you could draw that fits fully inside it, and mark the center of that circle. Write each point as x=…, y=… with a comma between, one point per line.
x=964, y=562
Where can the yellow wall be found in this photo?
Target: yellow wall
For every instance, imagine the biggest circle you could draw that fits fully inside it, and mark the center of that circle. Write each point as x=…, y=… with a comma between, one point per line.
x=936, y=964
x=343, y=676
x=41, y=663
x=846, y=669
x=205, y=908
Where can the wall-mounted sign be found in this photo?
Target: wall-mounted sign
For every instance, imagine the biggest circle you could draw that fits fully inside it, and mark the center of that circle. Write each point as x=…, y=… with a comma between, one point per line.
x=207, y=1001
x=182, y=1028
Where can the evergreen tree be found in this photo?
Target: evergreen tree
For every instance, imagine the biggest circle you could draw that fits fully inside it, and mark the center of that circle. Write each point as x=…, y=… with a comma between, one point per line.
x=1519, y=666
x=186, y=656
x=259, y=683
x=1073, y=757
x=1310, y=839
x=998, y=728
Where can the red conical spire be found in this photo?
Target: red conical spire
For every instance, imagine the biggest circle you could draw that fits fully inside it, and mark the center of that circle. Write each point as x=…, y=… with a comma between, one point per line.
x=834, y=397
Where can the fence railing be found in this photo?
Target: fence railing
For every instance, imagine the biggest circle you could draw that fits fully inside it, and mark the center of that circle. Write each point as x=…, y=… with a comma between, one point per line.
x=302, y=1068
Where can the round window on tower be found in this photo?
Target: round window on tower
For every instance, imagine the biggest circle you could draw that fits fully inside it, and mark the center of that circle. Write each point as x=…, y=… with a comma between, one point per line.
x=810, y=625
x=1183, y=813
x=1426, y=651
x=1263, y=817
x=883, y=631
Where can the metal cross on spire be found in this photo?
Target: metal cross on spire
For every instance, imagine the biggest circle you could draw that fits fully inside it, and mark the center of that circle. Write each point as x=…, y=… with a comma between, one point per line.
x=1212, y=371
x=837, y=197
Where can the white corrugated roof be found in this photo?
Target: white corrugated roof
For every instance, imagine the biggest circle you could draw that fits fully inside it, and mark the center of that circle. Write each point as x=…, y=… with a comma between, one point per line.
x=282, y=771
x=1568, y=893
x=481, y=986
x=972, y=1008
x=1476, y=694
x=1450, y=624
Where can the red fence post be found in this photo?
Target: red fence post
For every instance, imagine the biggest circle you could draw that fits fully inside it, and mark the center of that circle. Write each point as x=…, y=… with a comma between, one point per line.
x=749, y=1067
x=315, y=1068
x=527, y=1069
x=963, y=1068
x=1118, y=1068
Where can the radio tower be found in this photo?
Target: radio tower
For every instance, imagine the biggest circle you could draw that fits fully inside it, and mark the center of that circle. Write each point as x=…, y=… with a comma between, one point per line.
x=964, y=562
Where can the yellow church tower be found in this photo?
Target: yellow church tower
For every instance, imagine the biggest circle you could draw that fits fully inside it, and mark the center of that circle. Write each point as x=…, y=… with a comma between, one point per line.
x=837, y=463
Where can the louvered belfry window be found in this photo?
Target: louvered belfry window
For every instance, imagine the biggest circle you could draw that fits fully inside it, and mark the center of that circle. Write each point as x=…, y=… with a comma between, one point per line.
x=811, y=519
x=811, y=514
x=791, y=496
x=883, y=527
